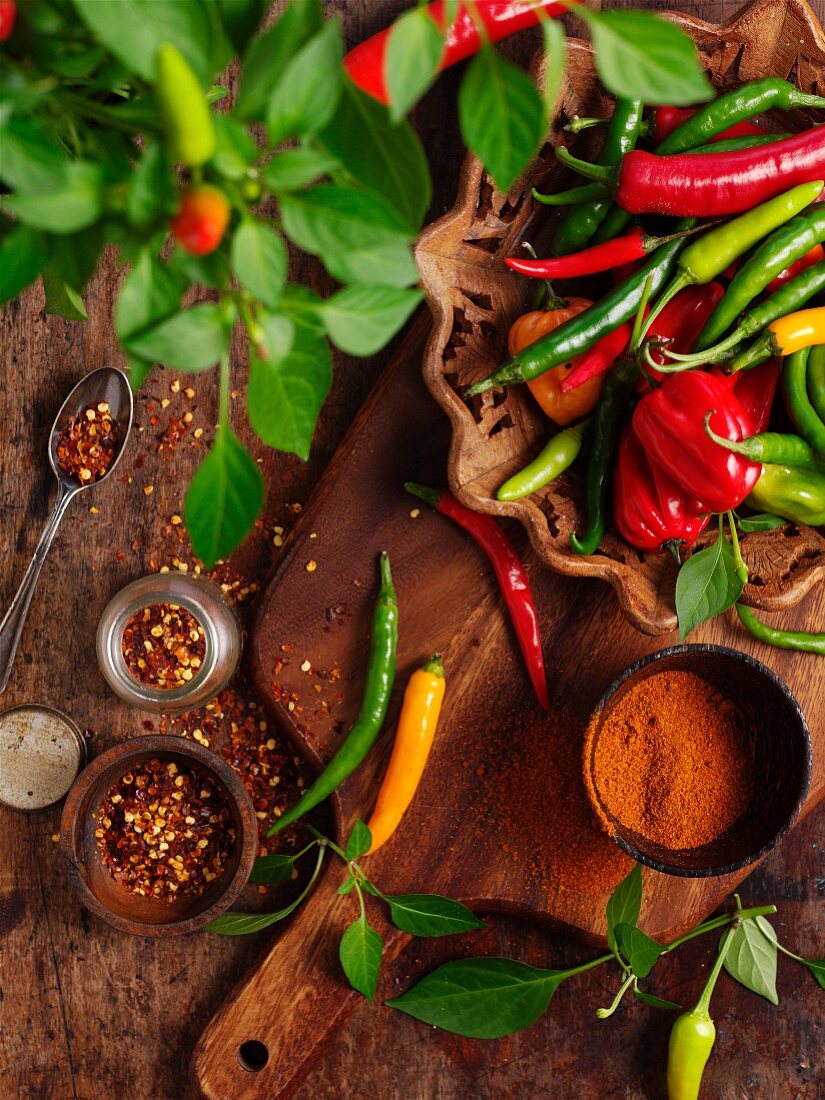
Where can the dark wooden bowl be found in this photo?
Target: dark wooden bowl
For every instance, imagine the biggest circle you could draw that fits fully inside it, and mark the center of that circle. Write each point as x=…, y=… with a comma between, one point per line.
x=474, y=299
x=111, y=900
x=780, y=745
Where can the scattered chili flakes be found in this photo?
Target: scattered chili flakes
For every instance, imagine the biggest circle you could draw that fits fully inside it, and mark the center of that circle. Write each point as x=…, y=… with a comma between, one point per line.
x=163, y=645
x=165, y=831
x=87, y=446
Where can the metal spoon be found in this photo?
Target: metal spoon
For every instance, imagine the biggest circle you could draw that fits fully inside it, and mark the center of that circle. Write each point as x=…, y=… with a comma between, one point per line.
x=106, y=384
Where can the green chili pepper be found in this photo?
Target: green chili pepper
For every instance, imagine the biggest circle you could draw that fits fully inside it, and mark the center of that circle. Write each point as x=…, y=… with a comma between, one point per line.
x=774, y=255
x=579, y=225
x=782, y=639
x=582, y=331
x=780, y=448
x=554, y=459
x=377, y=690
x=608, y=417
x=572, y=197
x=799, y=407
x=816, y=379
x=710, y=254
x=693, y=1036
x=733, y=145
x=798, y=495
x=187, y=120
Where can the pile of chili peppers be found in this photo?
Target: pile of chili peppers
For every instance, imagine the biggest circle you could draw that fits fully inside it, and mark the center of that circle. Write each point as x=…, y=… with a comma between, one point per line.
x=667, y=379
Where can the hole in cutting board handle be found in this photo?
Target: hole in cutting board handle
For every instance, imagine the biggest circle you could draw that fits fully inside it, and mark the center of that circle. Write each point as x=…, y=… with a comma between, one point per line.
x=253, y=1055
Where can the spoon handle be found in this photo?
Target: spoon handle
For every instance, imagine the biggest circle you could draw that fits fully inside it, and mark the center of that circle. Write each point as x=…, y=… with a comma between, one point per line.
x=12, y=625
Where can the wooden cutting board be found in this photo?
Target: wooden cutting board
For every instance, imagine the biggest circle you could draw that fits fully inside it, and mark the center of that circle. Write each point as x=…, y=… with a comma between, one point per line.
x=501, y=820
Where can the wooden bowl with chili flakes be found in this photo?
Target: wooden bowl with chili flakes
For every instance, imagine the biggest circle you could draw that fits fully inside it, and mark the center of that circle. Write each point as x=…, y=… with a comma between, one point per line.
x=158, y=836
x=474, y=299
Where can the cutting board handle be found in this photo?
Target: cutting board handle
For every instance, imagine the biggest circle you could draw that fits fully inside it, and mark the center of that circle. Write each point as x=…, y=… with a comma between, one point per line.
x=269, y=1032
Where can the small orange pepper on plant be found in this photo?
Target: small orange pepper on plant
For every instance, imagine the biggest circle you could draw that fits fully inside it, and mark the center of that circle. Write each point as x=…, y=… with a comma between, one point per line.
x=201, y=220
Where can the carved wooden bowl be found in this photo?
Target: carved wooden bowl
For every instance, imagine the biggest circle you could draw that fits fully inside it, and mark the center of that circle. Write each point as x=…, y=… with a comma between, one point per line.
x=474, y=299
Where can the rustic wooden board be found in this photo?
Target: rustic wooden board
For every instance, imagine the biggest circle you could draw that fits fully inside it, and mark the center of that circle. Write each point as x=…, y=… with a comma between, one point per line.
x=492, y=824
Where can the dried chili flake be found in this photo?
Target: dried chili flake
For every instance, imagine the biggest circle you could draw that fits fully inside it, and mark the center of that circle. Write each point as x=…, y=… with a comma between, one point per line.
x=163, y=645
x=87, y=446
x=165, y=831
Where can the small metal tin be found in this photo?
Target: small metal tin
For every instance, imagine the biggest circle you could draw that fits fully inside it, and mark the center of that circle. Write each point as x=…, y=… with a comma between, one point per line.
x=41, y=753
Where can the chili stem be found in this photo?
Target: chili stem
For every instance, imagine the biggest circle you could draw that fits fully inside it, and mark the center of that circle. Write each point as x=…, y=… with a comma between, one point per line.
x=603, y=1013
x=739, y=561
x=571, y=197
x=720, y=922
x=223, y=393
x=703, y=1004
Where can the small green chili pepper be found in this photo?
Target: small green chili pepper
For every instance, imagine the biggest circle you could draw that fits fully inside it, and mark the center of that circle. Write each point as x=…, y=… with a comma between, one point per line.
x=782, y=639
x=553, y=460
x=608, y=417
x=733, y=145
x=816, y=379
x=776, y=253
x=780, y=448
x=377, y=691
x=798, y=495
x=187, y=120
x=799, y=406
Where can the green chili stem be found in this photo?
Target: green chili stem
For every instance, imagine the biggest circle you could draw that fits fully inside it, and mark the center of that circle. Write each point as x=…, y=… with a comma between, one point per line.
x=703, y=1004
x=640, y=316
x=223, y=393
x=741, y=567
x=588, y=965
x=601, y=173
x=720, y=922
x=571, y=197
x=604, y=1013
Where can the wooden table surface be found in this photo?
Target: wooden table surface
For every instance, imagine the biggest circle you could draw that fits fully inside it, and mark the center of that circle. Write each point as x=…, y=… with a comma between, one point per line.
x=86, y=1012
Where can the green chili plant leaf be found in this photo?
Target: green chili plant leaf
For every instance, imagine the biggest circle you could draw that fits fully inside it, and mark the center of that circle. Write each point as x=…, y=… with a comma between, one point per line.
x=347, y=885
x=362, y=319
x=414, y=51
x=751, y=958
x=360, y=955
x=224, y=499
x=62, y=300
x=150, y=293
x=765, y=521
x=73, y=203
x=656, y=1002
x=259, y=260
x=481, y=998
x=624, y=905
x=360, y=841
x=272, y=868
x=817, y=968
x=555, y=62
x=639, y=55
x=431, y=915
x=501, y=115
x=236, y=149
x=295, y=168
x=266, y=57
x=23, y=255
x=191, y=340
x=239, y=924
x=707, y=585
x=241, y=18
x=149, y=197
x=305, y=97
x=638, y=948
x=32, y=160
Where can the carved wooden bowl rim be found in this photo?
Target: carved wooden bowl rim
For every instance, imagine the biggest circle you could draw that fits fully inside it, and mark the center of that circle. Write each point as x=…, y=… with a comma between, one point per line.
x=636, y=577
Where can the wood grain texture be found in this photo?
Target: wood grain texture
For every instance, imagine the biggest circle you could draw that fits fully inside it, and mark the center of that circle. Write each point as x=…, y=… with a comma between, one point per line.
x=87, y=1012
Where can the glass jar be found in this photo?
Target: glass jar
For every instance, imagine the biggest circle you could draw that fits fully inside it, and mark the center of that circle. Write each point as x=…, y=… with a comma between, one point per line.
x=205, y=602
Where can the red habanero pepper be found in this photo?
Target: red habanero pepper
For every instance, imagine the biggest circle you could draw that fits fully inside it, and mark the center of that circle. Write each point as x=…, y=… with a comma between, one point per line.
x=366, y=62
x=709, y=184
x=649, y=508
x=8, y=10
x=670, y=423
x=755, y=388
x=635, y=245
x=681, y=326
x=510, y=574
x=667, y=119
x=802, y=264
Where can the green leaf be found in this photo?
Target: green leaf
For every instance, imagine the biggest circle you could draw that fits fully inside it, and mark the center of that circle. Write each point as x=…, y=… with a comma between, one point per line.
x=360, y=955
x=287, y=389
x=72, y=262
x=642, y=56
x=347, y=886
x=765, y=521
x=362, y=319
x=431, y=915
x=149, y=194
x=62, y=300
x=32, y=159
x=212, y=270
x=241, y=19
x=751, y=958
x=306, y=95
x=133, y=30
x=655, y=1002
x=74, y=203
x=224, y=499
x=236, y=149
x=150, y=293
x=267, y=56
x=259, y=260
x=358, y=235
x=272, y=868
x=501, y=115
x=640, y=951
x=555, y=61
x=384, y=157
x=481, y=998
x=414, y=50
x=625, y=904
x=295, y=168
x=817, y=968
x=23, y=255
x=360, y=841
x=707, y=585
x=192, y=340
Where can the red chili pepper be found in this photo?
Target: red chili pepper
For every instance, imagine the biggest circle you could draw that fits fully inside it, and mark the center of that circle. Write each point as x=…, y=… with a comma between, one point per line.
x=649, y=509
x=755, y=388
x=681, y=325
x=366, y=62
x=602, y=355
x=635, y=245
x=510, y=574
x=670, y=424
x=8, y=10
x=802, y=264
x=709, y=184
x=201, y=221
x=667, y=119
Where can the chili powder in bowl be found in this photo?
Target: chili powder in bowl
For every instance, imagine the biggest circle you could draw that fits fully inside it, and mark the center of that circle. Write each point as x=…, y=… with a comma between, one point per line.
x=159, y=836
x=697, y=760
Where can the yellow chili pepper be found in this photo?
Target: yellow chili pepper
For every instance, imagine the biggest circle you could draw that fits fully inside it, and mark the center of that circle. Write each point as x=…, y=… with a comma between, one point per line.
x=803, y=329
x=413, y=740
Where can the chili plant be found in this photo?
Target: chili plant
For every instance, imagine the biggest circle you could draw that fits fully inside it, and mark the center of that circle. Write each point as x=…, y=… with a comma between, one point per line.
x=114, y=134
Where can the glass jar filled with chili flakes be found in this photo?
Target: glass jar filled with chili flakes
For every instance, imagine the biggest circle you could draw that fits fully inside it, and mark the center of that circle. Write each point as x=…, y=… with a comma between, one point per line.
x=168, y=642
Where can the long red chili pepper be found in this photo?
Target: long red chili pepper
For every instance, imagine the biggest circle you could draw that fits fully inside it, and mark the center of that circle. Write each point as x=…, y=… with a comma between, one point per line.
x=802, y=264
x=709, y=184
x=602, y=355
x=366, y=62
x=510, y=574
x=667, y=119
x=635, y=245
